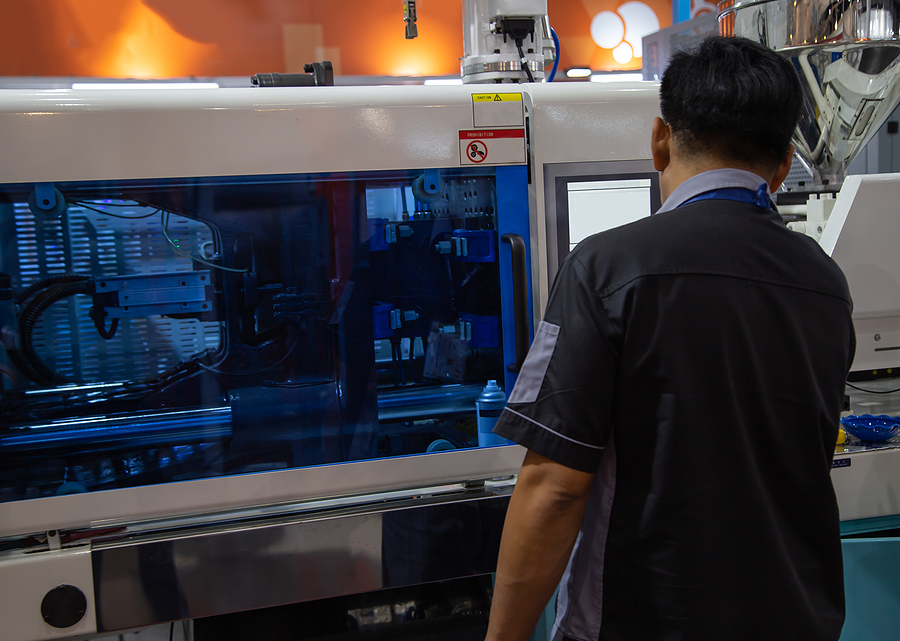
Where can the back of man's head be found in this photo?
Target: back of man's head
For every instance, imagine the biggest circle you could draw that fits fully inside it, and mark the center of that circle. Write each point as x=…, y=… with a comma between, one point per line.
x=733, y=100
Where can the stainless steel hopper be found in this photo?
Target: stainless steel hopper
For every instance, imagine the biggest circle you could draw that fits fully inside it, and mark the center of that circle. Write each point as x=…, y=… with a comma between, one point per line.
x=847, y=54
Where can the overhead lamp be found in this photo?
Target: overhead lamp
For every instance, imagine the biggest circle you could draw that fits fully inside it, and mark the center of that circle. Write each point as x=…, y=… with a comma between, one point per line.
x=616, y=77
x=444, y=81
x=129, y=86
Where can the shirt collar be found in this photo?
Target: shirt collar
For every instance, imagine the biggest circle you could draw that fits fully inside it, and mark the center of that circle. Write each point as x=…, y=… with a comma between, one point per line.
x=708, y=181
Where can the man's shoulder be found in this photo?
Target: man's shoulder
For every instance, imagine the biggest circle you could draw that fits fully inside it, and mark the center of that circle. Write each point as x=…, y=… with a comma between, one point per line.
x=709, y=237
x=626, y=238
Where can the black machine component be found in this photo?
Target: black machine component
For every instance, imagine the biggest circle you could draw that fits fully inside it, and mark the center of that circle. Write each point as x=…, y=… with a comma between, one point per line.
x=518, y=29
x=409, y=18
x=447, y=611
x=182, y=328
x=316, y=74
x=63, y=606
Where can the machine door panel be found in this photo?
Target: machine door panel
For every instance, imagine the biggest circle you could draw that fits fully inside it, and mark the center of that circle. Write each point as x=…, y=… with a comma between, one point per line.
x=170, y=330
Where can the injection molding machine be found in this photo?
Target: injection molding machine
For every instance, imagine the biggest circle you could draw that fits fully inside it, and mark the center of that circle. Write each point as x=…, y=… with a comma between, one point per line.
x=246, y=331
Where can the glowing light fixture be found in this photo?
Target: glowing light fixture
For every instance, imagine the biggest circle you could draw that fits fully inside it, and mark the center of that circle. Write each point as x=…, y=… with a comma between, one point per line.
x=623, y=53
x=616, y=77
x=128, y=86
x=578, y=72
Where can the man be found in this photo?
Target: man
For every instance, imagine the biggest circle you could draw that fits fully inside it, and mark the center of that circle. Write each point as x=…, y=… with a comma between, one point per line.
x=680, y=402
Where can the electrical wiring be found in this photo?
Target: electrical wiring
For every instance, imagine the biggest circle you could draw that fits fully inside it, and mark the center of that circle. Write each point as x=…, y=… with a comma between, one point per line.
x=164, y=220
x=107, y=213
x=871, y=391
x=556, y=59
x=8, y=373
x=259, y=371
x=524, y=63
x=121, y=203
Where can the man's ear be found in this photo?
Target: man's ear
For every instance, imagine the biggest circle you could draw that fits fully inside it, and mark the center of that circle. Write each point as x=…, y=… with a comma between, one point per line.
x=660, y=139
x=783, y=170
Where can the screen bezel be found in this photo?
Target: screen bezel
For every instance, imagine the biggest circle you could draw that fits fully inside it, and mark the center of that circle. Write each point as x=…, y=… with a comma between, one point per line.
x=557, y=178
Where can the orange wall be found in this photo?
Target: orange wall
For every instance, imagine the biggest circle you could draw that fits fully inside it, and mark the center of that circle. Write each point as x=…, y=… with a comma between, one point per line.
x=172, y=38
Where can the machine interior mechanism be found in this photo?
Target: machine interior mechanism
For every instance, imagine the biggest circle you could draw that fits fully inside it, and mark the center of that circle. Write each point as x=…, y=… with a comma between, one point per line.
x=167, y=330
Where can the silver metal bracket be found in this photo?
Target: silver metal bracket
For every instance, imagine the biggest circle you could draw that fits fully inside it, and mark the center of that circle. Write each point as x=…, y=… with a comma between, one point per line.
x=54, y=541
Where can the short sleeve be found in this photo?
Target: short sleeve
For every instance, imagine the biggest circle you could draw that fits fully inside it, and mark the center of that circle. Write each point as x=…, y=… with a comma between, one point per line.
x=561, y=405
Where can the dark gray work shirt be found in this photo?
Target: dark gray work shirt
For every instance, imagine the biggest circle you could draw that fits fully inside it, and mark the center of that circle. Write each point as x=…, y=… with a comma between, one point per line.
x=695, y=361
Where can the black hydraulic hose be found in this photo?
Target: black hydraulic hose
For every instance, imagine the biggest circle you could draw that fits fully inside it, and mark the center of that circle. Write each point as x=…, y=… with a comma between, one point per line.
x=98, y=315
x=23, y=296
x=29, y=317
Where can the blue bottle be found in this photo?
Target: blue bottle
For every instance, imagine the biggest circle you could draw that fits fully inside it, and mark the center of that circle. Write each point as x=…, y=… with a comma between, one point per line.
x=489, y=405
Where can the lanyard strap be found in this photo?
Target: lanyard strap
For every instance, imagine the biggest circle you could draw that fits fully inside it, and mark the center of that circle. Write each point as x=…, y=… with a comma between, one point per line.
x=760, y=197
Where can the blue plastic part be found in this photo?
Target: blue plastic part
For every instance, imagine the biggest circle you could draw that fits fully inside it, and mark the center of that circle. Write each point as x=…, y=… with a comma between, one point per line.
x=485, y=330
x=381, y=320
x=871, y=589
x=556, y=59
x=377, y=240
x=512, y=218
x=45, y=196
x=440, y=445
x=681, y=11
x=481, y=245
x=70, y=487
x=432, y=181
x=876, y=524
x=872, y=428
x=46, y=201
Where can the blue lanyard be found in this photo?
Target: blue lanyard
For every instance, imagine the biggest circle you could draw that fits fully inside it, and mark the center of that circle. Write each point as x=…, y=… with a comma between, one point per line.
x=760, y=197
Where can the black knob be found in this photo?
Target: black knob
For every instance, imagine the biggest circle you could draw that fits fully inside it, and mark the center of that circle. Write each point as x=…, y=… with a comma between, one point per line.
x=63, y=606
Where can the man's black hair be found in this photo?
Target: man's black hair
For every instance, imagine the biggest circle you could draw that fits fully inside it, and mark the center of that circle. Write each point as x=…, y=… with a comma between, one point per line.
x=732, y=98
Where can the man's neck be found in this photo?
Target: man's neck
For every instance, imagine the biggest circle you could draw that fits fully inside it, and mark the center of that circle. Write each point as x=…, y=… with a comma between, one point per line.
x=680, y=170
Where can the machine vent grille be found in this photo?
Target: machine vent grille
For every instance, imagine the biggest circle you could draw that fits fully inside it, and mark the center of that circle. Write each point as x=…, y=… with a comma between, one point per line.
x=128, y=241
x=799, y=177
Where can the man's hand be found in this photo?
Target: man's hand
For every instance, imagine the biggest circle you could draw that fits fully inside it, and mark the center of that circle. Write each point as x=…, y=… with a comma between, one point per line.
x=542, y=523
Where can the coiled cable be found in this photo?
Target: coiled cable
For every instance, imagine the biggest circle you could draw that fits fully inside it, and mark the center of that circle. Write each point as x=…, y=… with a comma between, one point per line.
x=23, y=296
x=28, y=318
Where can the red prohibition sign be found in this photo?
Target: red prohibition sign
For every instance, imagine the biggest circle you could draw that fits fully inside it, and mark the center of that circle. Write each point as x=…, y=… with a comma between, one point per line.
x=476, y=151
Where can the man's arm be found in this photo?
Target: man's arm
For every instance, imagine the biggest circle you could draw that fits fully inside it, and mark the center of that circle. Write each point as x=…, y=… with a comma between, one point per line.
x=542, y=523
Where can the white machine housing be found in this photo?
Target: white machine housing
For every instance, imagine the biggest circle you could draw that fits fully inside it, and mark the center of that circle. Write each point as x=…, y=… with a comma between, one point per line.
x=860, y=235
x=94, y=135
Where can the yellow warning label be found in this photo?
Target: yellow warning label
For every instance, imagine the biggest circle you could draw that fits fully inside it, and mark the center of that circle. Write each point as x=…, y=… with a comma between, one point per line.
x=496, y=97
